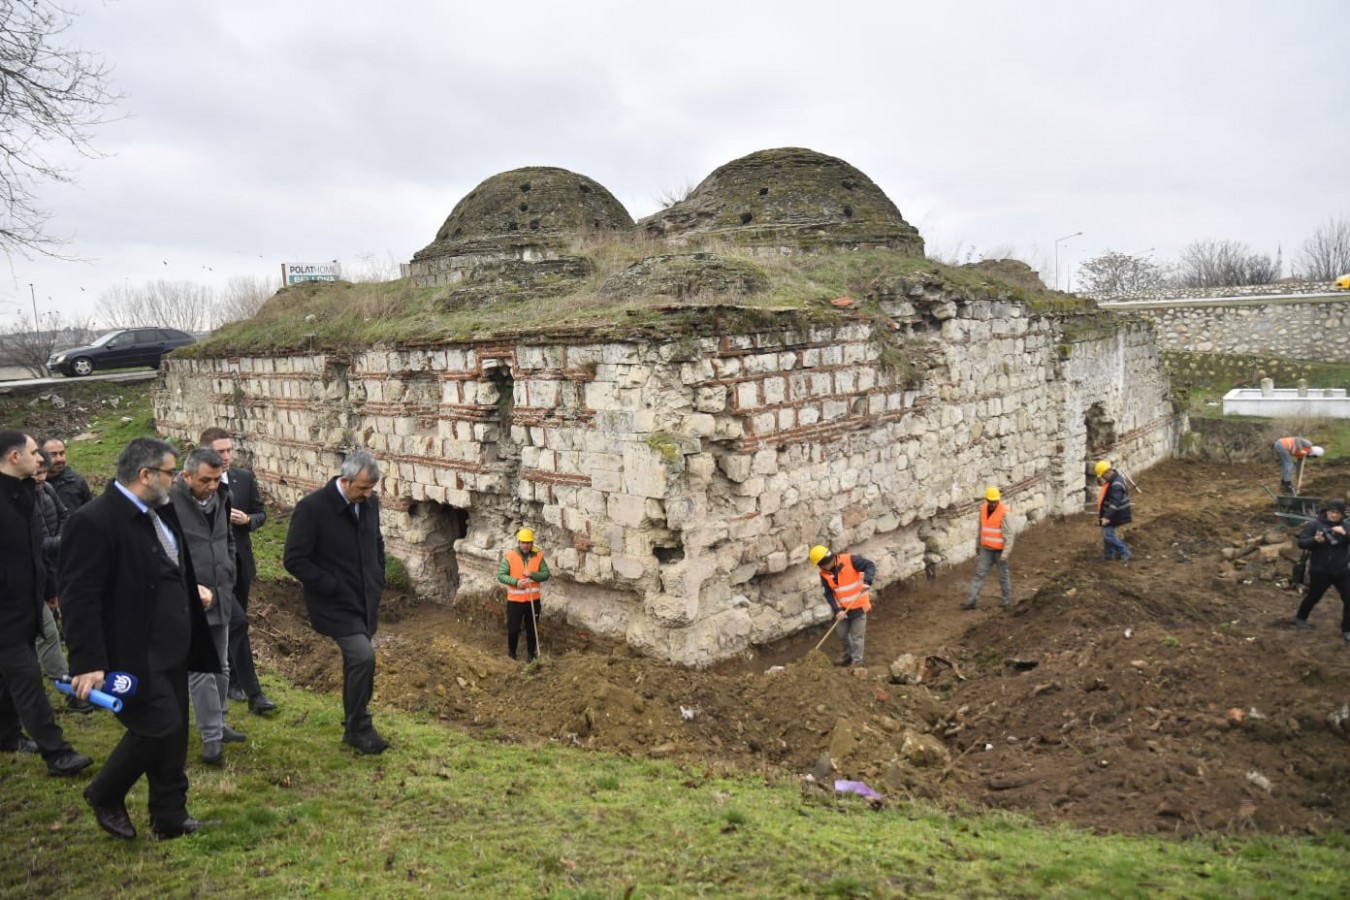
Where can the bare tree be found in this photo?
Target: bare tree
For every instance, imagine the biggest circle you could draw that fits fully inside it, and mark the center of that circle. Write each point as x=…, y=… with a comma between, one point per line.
x=1214, y=263
x=372, y=269
x=185, y=305
x=24, y=345
x=244, y=295
x=1326, y=255
x=1113, y=274
x=50, y=93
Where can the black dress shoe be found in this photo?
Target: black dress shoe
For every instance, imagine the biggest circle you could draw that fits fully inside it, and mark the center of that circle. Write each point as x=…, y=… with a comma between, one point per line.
x=261, y=705
x=67, y=763
x=112, y=819
x=20, y=745
x=76, y=705
x=169, y=832
x=213, y=754
x=229, y=736
x=367, y=743
x=236, y=694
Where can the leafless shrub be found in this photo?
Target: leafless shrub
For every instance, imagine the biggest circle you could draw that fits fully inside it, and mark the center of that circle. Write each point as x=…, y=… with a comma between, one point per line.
x=1326, y=255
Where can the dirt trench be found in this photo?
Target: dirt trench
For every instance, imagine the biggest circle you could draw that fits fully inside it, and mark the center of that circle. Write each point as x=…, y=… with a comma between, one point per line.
x=1164, y=695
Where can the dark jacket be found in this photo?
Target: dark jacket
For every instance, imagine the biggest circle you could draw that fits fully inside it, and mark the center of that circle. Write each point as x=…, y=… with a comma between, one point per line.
x=107, y=582
x=244, y=495
x=1115, y=504
x=71, y=487
x=51, y=513
x=1332, y=555
x=210, y=541
x=339, y=559
x=23, y=577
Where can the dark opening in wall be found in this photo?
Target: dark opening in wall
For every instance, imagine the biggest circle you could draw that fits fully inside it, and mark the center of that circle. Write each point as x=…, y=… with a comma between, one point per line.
x=1101, y=439
x=504, y=448
x=667, y=555
x=443, y=525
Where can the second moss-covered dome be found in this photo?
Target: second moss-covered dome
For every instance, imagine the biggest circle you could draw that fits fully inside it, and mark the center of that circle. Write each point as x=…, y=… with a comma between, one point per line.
x=789, y=197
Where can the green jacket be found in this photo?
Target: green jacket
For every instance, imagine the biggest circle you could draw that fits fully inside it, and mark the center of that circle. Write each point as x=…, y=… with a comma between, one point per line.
x=504, y=570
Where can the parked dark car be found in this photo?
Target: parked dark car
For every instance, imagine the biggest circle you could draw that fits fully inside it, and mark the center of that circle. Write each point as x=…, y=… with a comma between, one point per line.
x=122, y=349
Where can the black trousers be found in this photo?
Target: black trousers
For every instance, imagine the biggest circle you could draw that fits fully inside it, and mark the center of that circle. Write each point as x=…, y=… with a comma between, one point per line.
x=23, y=702
x=242, y=673
x=155, y=745
x=1318, y=582
x=518, y=615
x=358, y=682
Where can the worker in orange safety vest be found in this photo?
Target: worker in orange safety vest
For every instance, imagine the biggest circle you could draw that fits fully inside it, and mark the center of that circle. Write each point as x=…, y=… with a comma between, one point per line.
x=522, y=570
x=845, y=578
x=1288, y=449
x=992, y=546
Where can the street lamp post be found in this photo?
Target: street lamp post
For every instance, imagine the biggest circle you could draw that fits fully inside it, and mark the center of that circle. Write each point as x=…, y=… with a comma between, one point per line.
x=33, y=296
x=1057, y=243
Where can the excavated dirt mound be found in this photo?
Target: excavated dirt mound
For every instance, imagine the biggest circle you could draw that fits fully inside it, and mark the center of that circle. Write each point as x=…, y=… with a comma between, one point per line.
x=1168, y=694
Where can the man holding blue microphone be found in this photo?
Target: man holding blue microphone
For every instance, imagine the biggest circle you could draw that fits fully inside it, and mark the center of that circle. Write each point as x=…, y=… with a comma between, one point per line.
x=131, y=602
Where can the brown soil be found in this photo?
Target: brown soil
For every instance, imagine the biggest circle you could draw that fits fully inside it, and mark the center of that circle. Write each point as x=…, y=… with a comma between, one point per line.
x=1102, y=699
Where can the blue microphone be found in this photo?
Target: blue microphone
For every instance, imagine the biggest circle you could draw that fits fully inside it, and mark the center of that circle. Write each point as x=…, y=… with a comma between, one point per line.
x=98, y=698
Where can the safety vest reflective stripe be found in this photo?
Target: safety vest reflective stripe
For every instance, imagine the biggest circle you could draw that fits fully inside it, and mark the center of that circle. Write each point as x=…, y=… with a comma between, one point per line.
x=519, y=569
x=850, y=591
x=991, y=526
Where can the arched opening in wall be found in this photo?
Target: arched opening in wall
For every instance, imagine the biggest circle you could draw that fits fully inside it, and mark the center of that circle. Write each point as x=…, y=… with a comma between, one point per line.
x=1101, y=438
x=441, y=525
x=499, y=377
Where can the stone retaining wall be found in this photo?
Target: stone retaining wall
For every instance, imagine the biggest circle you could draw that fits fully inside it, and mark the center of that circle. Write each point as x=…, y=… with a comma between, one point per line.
x=676, y=486
x=1296, y=329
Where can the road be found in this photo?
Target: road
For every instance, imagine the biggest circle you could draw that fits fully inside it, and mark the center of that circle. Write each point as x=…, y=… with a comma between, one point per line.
x=26, y=385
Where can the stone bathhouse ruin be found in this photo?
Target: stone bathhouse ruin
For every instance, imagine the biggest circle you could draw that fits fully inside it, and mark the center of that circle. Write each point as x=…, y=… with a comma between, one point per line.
x=677, y=471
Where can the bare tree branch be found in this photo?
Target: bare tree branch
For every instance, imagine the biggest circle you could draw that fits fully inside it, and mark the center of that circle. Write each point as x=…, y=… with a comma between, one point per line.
x=25, y=345
x=1326, y=255
x=1114, y=274
x=51, y=94
x=1213, y=263
x=185, y=305
x=244, y=296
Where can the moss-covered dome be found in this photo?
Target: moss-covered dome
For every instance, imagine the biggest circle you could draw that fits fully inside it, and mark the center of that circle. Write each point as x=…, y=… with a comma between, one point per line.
x=529, y=213
x=790, y=197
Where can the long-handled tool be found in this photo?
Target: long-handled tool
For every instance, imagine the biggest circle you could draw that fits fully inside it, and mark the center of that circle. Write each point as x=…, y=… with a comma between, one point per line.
x=827, y=633
x=534, y=624
x=1298, y=487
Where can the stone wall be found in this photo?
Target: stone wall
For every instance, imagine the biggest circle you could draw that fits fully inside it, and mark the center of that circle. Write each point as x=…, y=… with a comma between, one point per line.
x=676, y=485
x=1311, y=328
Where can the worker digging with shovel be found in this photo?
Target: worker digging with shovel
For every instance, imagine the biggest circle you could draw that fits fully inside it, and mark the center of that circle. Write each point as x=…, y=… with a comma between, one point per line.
x=522, y=570
x=845, y=578
x=1288, y=449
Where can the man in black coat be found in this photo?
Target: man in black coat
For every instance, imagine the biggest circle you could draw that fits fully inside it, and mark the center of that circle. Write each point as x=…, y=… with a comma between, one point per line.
x=1328, y=545
x=24, y=587
x=247, y=515
x=335, y=547
x=132, y=604
x=70, y=485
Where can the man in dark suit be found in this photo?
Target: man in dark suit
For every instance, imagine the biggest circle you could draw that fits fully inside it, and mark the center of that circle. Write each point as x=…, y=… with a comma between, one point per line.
x=24, y=587
x=131, y=603
x=247, y=515
x=335, y=547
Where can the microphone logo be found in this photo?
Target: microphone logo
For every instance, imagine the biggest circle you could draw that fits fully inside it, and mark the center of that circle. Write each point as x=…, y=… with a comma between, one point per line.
x=121, y=683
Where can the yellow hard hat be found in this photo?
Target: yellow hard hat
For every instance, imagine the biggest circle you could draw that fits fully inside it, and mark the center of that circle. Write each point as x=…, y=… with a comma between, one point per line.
x=818, y=552
x=1102, y=467
x=993, y=494
x=525, y=536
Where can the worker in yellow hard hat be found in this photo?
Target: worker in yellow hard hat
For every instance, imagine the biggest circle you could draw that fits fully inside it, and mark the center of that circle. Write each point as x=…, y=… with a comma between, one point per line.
x=522, y=570
x=1113, y=510
x=993, y=543
x=845, y=578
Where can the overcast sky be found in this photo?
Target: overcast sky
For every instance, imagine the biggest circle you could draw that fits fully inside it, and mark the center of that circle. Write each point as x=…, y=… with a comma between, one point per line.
x=256, y=133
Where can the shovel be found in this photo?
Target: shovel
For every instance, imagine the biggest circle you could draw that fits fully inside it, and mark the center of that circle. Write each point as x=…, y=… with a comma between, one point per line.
x=827, y=634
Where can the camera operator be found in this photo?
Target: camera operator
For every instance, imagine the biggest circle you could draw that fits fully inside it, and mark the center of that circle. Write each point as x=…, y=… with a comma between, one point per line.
x=1326, y=539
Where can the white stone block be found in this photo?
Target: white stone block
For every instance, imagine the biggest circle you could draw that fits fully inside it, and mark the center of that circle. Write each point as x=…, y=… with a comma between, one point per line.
x=627, y=510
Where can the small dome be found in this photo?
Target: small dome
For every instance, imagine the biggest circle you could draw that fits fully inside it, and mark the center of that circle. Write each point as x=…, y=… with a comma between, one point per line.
x=686, y=276
x=789, y=197
x=538, y=206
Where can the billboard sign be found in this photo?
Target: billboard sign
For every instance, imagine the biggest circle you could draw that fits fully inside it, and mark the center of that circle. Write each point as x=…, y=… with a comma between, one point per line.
x=296, y=273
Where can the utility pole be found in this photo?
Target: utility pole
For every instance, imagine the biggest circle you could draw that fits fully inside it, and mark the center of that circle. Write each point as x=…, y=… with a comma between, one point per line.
x=1057, y=243
x=33, y=296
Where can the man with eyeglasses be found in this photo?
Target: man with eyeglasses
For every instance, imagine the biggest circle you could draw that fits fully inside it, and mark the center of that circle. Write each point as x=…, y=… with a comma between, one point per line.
x=131, y=603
